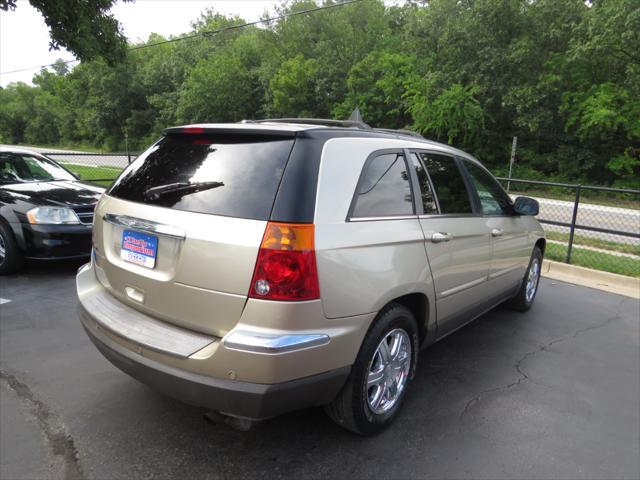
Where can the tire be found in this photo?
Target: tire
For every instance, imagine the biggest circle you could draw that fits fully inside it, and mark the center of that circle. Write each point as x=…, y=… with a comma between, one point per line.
x=523, y=300
x=11, y=259
x=355, y=406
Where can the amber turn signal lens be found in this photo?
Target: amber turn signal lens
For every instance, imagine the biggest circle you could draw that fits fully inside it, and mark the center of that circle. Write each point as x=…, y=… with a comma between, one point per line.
x=287, y=236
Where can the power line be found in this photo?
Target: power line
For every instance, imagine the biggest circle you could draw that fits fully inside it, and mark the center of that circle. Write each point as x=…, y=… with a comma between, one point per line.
x=209, y=33
x=38, y=68
x=243, y=25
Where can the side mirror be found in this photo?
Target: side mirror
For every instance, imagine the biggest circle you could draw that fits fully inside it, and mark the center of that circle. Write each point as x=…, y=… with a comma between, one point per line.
x=76, y=175
x=526, y=206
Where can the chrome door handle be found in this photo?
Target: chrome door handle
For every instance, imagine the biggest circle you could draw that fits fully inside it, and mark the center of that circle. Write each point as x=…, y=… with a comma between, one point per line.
x=441, y=237
x=496, y=232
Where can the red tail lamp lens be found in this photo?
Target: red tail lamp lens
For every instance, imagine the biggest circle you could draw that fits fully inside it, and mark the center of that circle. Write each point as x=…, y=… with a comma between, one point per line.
x=286, y=265
x=193, y=130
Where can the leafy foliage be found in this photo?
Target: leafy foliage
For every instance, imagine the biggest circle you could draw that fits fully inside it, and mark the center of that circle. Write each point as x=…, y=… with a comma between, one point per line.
x=454, y=114
x=562, y=75
x=84, y=27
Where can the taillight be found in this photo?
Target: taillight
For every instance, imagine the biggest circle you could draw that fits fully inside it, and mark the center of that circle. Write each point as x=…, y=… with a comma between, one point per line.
x=286, y=265
x=193, y=130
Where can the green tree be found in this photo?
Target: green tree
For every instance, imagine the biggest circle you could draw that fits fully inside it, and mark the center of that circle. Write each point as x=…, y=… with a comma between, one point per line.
x=562, y=75
x=295, y=88
x=84, y=27
x=378, y=85
x=335, y=39
x=16, y=102
x=600, y=105
x=454, y=115
x=224, y=87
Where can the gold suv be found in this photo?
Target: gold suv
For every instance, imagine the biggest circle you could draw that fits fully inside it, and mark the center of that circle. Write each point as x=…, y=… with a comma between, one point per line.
x=263, y=267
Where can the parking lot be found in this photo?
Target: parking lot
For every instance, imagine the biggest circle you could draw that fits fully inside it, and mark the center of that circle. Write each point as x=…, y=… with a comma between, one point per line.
x=553, y=393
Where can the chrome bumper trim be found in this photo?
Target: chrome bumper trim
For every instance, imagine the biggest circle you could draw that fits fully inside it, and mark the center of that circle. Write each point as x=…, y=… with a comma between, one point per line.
x=257, y=342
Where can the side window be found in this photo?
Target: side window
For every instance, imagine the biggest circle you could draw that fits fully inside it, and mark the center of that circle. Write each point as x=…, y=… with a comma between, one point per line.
x=448, y=183
x=493, y=198
x=8, y=169
x=37, y=169
x=384, y=188
x=426, y=193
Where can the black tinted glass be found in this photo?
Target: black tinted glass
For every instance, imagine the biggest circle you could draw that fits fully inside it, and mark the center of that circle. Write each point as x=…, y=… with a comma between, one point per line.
x=384, y=188
x=493, y=198
x=231, y=175
x=448, y=183
x=428, y=200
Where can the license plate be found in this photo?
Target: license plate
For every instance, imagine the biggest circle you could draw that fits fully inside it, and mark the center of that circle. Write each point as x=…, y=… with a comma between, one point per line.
x=139, y=248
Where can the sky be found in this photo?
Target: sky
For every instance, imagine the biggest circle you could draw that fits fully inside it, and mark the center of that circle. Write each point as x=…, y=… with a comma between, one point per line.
x=24, y=37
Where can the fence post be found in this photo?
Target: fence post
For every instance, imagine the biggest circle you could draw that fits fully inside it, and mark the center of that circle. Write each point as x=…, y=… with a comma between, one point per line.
x=511, y=160
x=126, y=143
x=573, y=223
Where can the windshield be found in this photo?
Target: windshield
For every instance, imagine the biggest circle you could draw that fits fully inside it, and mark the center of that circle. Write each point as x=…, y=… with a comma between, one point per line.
x=22, y=167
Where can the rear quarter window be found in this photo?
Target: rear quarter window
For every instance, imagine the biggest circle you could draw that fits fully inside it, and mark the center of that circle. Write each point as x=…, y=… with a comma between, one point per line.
x=384, y=189
x=230, y=175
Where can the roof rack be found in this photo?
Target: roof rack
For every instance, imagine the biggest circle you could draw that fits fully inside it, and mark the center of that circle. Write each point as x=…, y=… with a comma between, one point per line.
x=336, y=123
x=400, y=131
x=314, y=121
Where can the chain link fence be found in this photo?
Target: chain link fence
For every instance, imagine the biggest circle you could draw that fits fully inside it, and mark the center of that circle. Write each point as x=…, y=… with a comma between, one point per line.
x=595, y=227
x=100, y=168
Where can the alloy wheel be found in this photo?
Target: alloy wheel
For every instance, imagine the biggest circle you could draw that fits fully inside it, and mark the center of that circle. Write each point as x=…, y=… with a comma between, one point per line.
x=388, y=371
x=532, y=279
x=3, y=249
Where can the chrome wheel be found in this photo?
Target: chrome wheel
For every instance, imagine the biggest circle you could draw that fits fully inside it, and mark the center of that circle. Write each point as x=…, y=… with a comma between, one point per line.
x=532, y=279
x=388, y=371
x=3, y=249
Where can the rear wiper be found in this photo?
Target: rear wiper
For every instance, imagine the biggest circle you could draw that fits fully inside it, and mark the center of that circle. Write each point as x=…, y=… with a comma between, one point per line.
x=154, y=193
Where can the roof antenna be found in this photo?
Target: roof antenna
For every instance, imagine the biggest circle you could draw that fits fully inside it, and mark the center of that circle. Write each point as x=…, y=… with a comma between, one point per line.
x=356, y=116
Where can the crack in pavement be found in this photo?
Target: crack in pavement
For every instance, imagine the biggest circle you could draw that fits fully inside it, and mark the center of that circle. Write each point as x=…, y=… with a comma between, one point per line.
x=64, y=455
x=542, y=348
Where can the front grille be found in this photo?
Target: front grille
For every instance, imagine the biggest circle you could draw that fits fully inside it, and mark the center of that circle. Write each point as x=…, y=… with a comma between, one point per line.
x=85, y=214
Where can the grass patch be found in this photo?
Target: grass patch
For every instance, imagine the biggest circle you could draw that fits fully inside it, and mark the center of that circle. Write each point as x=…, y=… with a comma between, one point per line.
x=92, y=174
x=596, y=260
x=594, y=242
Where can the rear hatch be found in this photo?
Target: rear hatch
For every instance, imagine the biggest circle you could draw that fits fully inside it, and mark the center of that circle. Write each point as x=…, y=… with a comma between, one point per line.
x=178, y=233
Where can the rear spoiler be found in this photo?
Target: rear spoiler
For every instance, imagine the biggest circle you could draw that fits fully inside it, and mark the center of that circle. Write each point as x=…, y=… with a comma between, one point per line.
x=229, y=130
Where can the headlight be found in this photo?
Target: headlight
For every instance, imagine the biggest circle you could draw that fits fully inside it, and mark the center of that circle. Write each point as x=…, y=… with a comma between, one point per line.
x=52, y=215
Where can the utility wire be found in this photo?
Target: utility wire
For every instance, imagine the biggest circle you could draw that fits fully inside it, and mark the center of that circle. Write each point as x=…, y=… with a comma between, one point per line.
x=243, y=25
x=209, y=33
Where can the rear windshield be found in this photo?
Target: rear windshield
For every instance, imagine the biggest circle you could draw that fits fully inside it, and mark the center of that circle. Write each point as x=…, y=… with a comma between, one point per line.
x=231, y=175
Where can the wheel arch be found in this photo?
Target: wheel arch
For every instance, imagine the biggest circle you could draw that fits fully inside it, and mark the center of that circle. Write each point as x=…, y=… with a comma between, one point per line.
x=418, y=305
x=14, y=226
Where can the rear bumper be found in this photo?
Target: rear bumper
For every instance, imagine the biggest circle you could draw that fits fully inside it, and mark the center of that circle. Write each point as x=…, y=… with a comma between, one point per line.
x=254, y=371
x=56, y=242
x=244, y=399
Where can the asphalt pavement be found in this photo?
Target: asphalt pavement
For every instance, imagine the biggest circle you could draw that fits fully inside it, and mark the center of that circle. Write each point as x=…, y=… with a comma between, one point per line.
x=552, y=393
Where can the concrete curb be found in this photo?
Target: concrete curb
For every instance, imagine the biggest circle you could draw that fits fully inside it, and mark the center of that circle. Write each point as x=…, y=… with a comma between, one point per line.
x=609, y=282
